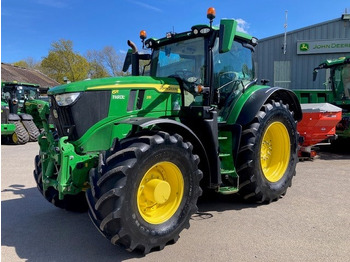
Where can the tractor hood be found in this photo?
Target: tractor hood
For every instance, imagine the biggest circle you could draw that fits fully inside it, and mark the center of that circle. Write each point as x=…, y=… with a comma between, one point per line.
x=334, y=62
x=168, y=85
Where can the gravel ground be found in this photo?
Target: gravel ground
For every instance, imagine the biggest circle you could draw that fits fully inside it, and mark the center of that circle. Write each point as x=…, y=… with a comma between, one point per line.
x=311, y=223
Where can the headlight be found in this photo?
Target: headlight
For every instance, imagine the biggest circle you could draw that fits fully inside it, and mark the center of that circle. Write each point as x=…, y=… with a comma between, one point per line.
x=66, y=99
x=205, y=30
x=200, y=29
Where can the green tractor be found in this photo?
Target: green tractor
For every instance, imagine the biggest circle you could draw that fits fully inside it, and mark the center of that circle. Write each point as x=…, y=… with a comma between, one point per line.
x=142, y=147
x=336, y=92
x=17, y=103
x=7, y=127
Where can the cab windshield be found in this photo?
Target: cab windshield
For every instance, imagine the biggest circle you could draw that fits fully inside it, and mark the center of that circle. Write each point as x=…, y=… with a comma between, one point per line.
x=184, y=59
x=19, y=92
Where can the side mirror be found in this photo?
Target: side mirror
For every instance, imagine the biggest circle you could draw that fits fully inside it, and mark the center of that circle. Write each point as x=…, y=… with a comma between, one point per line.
x=314, y=74
x=133, y=59
x=227, y=33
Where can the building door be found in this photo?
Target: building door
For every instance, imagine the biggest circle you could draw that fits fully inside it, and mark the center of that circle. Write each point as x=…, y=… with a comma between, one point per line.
x=282, y=74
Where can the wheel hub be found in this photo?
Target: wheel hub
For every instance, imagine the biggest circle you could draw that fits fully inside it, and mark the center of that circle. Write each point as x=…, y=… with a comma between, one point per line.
x=157, y=191
x=15, y=138
x=275, y=151
x=160, y=192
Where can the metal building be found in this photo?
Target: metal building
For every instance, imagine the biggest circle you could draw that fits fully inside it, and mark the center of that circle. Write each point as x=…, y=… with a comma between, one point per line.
x=288, y=60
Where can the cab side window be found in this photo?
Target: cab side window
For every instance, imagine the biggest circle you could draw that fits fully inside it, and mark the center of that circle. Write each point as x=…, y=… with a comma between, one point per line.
x=346, y=80
x=232, y=70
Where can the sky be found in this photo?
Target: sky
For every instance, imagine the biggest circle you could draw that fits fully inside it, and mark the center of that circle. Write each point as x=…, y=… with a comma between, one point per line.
x=29, y=27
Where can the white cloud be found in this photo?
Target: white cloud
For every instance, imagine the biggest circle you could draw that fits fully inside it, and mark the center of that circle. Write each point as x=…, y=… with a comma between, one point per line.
x=242, y=25
x=151, y=7
x=122, y=51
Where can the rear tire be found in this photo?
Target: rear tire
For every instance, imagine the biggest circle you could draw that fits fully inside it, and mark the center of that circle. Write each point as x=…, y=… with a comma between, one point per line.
x=144, y=191
x=32, y=130
x=20, y=136
x=268, y=154
x=74, y=203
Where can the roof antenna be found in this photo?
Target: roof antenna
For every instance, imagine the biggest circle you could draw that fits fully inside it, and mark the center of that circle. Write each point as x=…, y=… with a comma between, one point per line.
x=345, y=16
x=285, y=33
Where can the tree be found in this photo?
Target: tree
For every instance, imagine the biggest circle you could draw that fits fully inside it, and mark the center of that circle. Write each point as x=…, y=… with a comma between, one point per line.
x=112, y=61
x=96, y=69
x=107, y=58
x=28, y=62
x=62, y=62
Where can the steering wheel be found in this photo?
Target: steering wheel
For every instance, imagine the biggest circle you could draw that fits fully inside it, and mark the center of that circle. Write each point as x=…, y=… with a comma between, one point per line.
x=187, y=78
x=226, y=81
x=186, y=75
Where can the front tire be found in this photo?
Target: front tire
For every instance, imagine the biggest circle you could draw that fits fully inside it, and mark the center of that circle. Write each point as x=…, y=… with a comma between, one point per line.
x=268, y=154
x=74, y=203
x=144, y=192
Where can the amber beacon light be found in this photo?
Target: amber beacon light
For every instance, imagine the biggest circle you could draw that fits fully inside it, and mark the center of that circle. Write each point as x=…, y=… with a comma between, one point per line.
x=211, y=13
x=143, y=34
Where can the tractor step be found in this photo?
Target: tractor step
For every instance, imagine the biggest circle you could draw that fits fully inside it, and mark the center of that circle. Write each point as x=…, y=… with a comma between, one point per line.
x=224, y=155
x=226, y=171
x=227, y=190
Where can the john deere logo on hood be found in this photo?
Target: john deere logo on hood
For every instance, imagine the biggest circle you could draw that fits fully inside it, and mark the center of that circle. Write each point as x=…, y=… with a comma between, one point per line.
x=304, y=47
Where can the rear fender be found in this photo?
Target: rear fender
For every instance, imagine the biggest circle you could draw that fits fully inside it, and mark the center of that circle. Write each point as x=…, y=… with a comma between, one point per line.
x=262, y=96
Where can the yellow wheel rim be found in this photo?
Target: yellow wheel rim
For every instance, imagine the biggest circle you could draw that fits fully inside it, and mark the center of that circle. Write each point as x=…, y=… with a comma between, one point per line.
x=15, y=138
x=160, y=192
x=275, y=151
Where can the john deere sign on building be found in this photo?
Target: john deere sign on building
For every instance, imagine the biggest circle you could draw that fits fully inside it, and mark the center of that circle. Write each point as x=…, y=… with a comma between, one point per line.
x=289, y=60
x=323, y=46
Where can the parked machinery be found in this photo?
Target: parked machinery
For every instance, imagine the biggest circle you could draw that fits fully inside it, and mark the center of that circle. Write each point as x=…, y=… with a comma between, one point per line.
x=143, y=147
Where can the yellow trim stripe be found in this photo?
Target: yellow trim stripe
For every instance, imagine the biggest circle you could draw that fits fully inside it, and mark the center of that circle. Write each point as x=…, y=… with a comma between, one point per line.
x=159, y=87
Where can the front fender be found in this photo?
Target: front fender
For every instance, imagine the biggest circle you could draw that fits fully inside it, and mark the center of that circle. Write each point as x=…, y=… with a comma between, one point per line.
x=172, y=126
x=25, y=117
x=165, y=124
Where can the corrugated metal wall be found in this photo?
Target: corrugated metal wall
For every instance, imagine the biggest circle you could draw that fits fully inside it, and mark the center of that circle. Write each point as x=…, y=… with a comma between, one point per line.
x=292, y=70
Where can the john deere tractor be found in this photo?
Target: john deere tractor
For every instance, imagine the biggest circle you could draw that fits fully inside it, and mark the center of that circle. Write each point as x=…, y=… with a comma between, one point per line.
x=17, y=103
x=142, y=147
x=336, y=92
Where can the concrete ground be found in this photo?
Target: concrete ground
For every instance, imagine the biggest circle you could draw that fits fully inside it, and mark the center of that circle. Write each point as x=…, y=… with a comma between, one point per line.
x=311, y=223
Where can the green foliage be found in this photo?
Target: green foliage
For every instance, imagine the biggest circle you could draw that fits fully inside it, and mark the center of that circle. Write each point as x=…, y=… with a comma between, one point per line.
x=28, y=62
x=21, y=63
x=96, y=70
x=62, y=62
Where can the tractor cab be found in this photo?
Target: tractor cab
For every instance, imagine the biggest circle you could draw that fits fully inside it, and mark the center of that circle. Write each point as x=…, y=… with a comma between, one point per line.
x=19, y=102
x=16, y=94
x=213, y=65
x=339, y=79
x=342, y=80
x=187, y=61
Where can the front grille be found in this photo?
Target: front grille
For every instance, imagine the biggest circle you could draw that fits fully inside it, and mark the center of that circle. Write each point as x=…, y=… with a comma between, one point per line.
x=74, y=120
x=62, y=118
